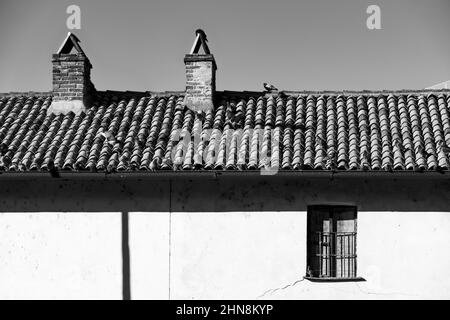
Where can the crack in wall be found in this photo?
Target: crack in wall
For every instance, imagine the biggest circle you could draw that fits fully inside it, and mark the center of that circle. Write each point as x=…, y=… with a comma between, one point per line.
x=272, y=291
x=281, y=288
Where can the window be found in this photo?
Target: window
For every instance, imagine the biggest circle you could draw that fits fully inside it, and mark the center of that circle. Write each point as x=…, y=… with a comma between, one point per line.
x=331, y=243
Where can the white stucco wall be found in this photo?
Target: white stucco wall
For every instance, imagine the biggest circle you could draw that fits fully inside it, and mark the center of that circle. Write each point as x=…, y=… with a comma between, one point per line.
x=149, y=255
x=237, y=255
x=60, y=256
x=233, y=255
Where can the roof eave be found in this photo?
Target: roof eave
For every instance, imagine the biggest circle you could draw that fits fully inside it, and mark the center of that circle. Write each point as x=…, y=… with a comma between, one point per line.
x=218, y=174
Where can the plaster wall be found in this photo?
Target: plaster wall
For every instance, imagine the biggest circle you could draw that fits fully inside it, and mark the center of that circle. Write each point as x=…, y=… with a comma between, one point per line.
x=217, y=239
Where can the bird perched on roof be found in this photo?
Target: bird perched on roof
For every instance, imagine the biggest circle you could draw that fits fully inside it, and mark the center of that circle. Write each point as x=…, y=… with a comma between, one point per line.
x=269, y=87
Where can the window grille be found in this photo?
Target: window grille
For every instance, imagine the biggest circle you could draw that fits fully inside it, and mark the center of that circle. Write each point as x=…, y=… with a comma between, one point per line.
x=335, y=254
x=331, y=242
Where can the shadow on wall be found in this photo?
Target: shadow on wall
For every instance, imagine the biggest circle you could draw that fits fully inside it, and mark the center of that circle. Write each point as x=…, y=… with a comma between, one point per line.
x=250, y=193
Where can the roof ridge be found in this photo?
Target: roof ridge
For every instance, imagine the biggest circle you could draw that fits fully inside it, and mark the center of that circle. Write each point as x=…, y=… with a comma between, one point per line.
x=334, y=92
x=144, y=93
x=243, y=93
x=25, y=93
x=367, y=92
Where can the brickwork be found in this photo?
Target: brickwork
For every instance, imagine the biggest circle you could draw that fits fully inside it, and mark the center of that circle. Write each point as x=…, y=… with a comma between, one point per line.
x=200, y=81
x=71, y=78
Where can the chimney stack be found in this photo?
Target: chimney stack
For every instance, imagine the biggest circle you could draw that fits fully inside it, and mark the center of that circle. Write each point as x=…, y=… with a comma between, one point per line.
x=200, y=75
x=72, y=86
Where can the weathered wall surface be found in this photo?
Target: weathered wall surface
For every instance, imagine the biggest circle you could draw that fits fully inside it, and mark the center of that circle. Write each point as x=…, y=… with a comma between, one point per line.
x=60, y=256
x=241, y=255
x=224, y=238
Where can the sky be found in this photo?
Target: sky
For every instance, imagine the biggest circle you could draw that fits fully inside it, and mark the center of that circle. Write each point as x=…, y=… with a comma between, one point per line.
x=296, y=45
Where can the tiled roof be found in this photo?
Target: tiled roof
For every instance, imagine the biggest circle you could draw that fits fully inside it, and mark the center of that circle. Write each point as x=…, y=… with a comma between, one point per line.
x=246, y=131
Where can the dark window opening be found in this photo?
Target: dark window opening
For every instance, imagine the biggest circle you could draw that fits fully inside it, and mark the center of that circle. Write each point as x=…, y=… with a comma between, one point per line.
x=331, y=242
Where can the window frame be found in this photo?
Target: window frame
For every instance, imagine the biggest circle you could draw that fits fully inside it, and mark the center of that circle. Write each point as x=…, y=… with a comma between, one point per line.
x=310, y=245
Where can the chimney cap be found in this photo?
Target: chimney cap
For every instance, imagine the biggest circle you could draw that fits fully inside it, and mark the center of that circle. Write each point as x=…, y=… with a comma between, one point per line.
x=200, y=41
x=71, y=41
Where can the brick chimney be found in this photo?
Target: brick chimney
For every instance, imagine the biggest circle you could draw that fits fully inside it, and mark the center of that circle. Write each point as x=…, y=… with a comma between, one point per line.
x=200, y=75
x=72, y=86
